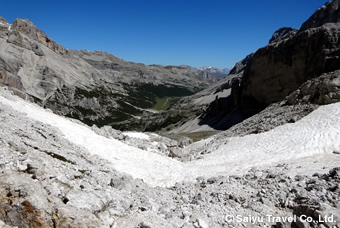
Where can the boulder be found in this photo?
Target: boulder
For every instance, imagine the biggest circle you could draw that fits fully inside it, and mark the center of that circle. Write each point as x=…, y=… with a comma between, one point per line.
x=184, y=141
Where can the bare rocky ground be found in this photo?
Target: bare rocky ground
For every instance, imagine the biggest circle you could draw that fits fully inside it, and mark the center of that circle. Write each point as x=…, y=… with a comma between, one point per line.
x=46, y=181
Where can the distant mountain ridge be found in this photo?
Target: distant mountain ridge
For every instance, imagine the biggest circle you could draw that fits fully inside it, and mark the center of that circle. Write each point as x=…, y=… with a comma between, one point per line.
x=95, y=87
x=210, y=72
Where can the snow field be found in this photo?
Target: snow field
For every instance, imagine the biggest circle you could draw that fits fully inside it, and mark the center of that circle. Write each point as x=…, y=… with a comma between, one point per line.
x=316, y=134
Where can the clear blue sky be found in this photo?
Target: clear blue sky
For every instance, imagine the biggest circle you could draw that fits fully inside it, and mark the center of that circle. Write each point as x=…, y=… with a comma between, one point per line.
x=198, y=33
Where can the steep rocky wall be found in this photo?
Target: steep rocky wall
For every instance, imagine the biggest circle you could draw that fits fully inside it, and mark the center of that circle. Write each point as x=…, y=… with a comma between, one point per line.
x=278, y=69
x=281, y=67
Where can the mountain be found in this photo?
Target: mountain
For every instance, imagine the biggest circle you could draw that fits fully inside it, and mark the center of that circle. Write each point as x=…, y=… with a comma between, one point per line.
x=211, y=73
x=280, y=68
x=95, y=87
x=226, y=70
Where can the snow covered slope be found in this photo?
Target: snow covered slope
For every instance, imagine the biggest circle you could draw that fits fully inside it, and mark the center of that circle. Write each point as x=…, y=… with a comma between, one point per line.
x=318, y=134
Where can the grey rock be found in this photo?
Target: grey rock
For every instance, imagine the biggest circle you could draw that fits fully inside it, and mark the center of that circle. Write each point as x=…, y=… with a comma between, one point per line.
x=121, y=183
x=178, y=152
x=184, y=141
x=328, y=13
x=283, y=33
x=201, y=223
x=145, y=225
x=320, y=91
x=3, y=225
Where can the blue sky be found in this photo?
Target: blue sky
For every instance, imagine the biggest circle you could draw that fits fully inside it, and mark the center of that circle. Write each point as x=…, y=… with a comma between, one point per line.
x=193, y=32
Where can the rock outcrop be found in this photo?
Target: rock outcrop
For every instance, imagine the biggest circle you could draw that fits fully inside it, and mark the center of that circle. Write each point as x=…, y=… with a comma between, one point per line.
x=4, y=27
x=322, y=90
x=26, y=27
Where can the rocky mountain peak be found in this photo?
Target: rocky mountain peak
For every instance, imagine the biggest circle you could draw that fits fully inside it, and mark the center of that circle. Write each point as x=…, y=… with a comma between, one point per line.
x=240, y=66
x=328, y=13
x=4, y=27
x=28, y=28
x=283, y=33
x=3, y=21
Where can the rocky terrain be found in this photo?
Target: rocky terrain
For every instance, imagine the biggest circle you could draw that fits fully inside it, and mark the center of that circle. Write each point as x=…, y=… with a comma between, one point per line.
x=49, y=180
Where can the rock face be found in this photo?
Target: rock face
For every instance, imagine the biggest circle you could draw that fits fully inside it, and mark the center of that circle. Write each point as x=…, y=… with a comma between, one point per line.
x=26, y=27
x=95, y=87
x=280, y=68
x=329, y=13
x=283, y=33
x=320, y=91
x=4, y=26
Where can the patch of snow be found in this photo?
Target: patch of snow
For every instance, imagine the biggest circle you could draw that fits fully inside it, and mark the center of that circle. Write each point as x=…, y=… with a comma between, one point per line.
x=137, y=135
x=315, y=134
x=154, y=169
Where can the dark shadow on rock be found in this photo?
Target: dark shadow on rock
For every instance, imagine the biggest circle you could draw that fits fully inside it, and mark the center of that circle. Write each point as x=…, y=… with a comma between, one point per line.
x=221, y=114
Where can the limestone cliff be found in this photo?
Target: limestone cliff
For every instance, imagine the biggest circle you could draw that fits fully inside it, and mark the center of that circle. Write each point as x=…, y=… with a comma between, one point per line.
x=280, y=68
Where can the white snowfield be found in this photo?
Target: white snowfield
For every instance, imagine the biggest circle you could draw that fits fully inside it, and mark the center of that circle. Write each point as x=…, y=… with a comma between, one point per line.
x=317, y=135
